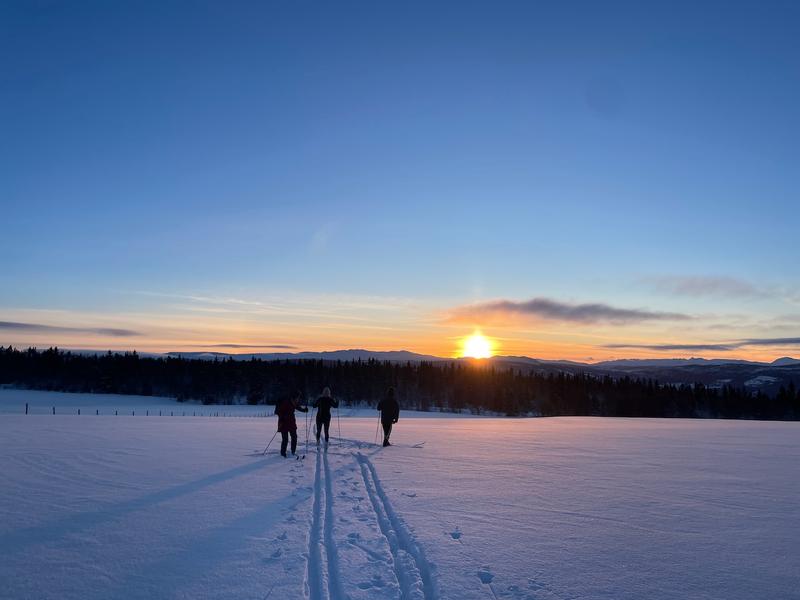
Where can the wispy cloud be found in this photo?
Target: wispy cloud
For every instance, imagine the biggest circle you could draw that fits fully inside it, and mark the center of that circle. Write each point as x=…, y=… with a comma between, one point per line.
x=40, y=328
x=707, y=286
x=554, y=310
x=790, y=341
x=718, y=347
x=269, y=346
x=675, y=347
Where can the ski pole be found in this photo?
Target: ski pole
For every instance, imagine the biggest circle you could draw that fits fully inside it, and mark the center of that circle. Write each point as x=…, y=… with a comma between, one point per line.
x=307, y=431
x=270, y=442
x=339, y=425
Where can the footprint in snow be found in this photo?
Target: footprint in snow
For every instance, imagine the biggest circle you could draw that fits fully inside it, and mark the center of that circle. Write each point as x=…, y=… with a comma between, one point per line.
x=375, y=582
x=485, y=575
x=456, y=535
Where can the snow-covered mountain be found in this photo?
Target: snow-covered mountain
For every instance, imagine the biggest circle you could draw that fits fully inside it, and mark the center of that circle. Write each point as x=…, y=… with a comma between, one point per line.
x=785, y=361
x=671, y=362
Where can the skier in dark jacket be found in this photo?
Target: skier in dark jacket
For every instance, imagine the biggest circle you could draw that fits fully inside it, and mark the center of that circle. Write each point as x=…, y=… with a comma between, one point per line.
x=390, y=413
x=323, y=405
x=287, y=424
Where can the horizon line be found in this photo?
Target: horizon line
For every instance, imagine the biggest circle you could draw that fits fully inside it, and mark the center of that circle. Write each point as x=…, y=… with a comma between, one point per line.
x=443, y=358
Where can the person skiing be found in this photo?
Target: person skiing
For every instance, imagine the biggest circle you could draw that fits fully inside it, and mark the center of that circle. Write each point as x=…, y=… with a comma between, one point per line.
x=323, y=405
x=287, y=424
x=390, y=413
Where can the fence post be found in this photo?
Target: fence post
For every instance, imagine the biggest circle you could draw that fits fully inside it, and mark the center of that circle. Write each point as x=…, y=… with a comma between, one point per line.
x=171, y=414
x=159, y=413
x=26, y=408
x=147, y=413
x=133, y=413
x=79, y=411
x=97, y=412
x=54, y=410
x=116, y=412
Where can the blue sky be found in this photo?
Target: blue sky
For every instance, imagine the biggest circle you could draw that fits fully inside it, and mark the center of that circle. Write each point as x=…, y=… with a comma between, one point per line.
x=165, y=164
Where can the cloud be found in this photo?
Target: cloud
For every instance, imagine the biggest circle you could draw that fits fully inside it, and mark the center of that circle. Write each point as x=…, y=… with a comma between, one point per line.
x=676, y=347
x=39, y=328
x=272, y=346
x=718, y=347
x=790, y=341
x=554, y=310
x=707, y=286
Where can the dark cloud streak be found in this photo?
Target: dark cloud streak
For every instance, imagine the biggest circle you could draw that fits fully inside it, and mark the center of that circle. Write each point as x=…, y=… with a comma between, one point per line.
x=675, y=347
x=40, y=328
x=719, y=347
x=272, y=346
x=554, y=310
x=791, y=341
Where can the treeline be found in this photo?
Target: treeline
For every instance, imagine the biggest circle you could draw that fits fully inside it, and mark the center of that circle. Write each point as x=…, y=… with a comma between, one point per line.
x=447, y=386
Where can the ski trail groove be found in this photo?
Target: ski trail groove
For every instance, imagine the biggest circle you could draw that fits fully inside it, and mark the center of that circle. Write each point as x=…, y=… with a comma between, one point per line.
x=334, y=582
x=413, y=572
x=315, y=577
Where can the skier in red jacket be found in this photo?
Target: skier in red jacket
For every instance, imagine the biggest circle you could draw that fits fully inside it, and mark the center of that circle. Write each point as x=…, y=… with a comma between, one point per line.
x=287, y=424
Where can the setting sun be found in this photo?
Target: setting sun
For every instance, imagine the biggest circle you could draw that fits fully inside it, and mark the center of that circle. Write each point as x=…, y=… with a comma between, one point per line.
x=477, y=346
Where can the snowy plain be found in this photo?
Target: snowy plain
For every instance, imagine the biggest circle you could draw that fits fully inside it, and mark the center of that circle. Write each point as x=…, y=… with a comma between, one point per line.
x=154, y=507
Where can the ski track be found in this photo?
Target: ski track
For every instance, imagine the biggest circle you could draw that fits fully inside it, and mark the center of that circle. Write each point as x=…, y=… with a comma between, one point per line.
x=412, y=570
x=315, y=578
x=323, y=578
x=323, y=575
x=334, y=580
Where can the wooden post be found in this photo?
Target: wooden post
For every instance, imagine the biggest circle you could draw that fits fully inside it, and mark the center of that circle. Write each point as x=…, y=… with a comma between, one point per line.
x=26, y=408
x=79, y=411
x=54, y=410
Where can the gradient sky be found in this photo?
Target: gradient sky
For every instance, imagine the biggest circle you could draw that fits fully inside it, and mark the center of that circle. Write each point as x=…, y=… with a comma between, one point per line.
x=579, y=180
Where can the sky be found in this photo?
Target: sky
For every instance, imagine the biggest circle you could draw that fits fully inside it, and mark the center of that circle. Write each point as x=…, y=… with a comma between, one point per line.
x=577, y=180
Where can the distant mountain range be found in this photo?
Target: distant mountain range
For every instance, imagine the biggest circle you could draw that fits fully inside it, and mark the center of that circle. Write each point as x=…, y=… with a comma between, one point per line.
x=405, y=356
x=353, y=354
x=716, y=372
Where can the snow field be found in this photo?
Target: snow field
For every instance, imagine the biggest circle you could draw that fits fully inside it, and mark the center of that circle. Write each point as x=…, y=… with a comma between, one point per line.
x=523, y=509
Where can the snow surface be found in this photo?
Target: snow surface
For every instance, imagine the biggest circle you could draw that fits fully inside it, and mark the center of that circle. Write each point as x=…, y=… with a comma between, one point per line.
x=562, y=508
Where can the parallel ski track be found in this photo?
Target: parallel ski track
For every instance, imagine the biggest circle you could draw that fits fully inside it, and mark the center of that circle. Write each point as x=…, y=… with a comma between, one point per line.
x=409, y=561
x=334, y=580
x=323, y=577
x=315, y=576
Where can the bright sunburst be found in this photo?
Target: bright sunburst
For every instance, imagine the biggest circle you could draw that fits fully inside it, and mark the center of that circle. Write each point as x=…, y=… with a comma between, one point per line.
x=477, y=346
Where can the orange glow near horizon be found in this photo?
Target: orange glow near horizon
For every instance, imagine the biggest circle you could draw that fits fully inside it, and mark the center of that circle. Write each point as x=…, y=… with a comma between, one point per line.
x=476, y=346
x=243, y=331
